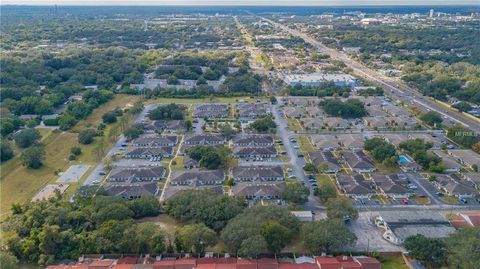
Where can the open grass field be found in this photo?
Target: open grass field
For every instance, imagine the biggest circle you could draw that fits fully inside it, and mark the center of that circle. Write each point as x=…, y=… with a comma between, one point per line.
x=392, y=262
x=19, y=184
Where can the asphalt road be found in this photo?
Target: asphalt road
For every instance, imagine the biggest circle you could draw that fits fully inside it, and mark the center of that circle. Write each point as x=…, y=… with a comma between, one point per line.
x=297, y=162
x=394, y=87
x=95, y=177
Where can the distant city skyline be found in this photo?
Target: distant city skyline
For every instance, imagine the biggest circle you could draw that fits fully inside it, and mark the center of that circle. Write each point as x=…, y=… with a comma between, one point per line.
x=245, y=2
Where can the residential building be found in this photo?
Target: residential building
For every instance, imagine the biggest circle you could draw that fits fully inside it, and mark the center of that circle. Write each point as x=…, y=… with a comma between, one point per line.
x=316, y=79
x=258, y=173
x=358, y=161
x=258, y=190
x=136, y=174
x=253, y=140
x=325, y=160
x=148, y=153
x=255, y=153
x=204, y=139
x=150, y=141
x=453, y=186
x=198, y=177
x=355, y=186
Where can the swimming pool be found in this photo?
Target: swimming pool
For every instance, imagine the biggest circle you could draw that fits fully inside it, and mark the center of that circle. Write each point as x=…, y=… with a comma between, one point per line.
x=402, y=159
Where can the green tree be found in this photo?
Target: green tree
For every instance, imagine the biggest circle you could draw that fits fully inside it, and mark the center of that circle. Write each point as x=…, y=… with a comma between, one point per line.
x=33, y=157
x=429, y=251
x=276, y=235
x=340, y=207
x=109, y=117
x=66, y=121
x=195, y=238
x=252, y=246
x=6, y=152
x=462, y=248
x=133, y=132
x=295, y=193
x=8, y=261
x=326, y=236
x=249, y=223
x=27, y=137
x=86, y=136
x=326, y=192
x=432, y=118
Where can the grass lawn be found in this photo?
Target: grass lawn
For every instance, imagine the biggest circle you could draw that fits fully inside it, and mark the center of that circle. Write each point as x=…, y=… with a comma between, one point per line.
x=19, y=184
x=451, y=200
x=294, y=125
x=179, y=163
x=392, y=262
x=421, y=200
x=120, y=100
x=324, y=180
x=305, y=144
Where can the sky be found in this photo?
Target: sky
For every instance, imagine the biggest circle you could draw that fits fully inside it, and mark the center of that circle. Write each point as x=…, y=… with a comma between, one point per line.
x=243, y=2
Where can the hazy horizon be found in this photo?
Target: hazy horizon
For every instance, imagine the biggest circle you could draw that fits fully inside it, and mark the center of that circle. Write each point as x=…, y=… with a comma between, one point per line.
x=243, y=3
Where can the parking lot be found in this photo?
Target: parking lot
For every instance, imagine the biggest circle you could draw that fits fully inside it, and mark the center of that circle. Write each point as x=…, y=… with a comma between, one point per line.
x=369, y=237
x=73, y=173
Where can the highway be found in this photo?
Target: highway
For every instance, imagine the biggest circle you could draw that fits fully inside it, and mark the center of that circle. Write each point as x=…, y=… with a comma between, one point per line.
x=394, y=87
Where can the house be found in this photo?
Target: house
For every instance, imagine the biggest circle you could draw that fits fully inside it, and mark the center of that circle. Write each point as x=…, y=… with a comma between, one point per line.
x=396, y=111
x=312, y=123
x=190, y=163
x=355, y=186
x=375, y=112
x=377, y=123
x=314, y=111
x=140, y=174
x=150, y=141
x=358, y=161
x=204, y=139
x=164, y=125
x=258, y=173
x=130, y=191
x=252, y=140
x=211, y=111
x=325, y=160
x=267, y=263
x=336, y=123
x=393, y=185
x=255, y=153
x=326, y=142
x=466, y=220
x=453, y=186
x=258, y=190
x=294, y=112
x=148, y=153
x=252, y=111
x=399, y=225
x=198, y=177
x=351, y=141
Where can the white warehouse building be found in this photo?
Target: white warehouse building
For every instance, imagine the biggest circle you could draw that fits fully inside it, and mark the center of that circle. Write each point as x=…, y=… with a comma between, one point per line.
x=315, y=79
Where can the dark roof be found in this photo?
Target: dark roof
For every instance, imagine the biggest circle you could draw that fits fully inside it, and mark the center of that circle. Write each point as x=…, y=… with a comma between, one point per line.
x=254, y=150
x=257, y=172
x=198, y=175
x=131, y=189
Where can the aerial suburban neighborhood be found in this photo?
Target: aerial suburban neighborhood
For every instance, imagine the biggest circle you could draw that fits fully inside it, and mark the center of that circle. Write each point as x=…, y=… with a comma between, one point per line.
x=263, y=137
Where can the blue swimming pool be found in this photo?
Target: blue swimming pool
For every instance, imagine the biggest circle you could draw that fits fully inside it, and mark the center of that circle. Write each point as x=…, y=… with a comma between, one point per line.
x=402, y=159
